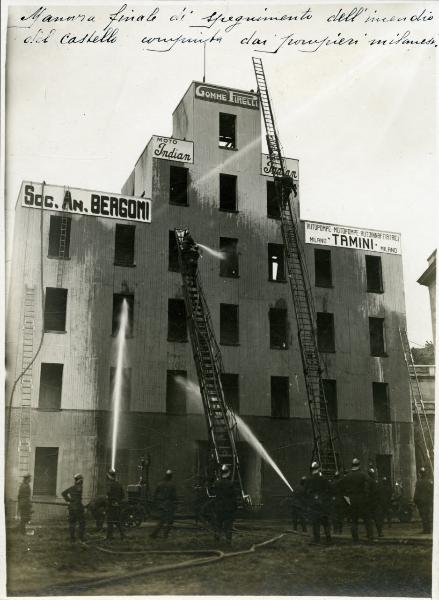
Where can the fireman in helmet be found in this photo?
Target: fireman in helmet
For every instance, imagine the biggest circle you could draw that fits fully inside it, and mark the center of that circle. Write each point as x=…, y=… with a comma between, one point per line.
x=73, y=497
x=318, y=494
x=115, y=496
x=165, y=500
x=224, y=504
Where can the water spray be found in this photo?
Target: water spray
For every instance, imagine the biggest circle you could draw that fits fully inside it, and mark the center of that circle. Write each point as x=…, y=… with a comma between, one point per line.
x=118, y=378
x=216, y=253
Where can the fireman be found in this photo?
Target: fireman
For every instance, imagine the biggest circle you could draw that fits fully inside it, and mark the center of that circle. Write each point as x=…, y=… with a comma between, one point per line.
x=115, y=496
x=73, y=497
x=355, y=488
x=318, y=494
x=224, y=504
x=190, y=252
x=165, y=500
x=24, y=503
x=423, y=499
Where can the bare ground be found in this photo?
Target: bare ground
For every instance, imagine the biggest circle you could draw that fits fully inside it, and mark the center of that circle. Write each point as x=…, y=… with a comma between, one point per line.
x=46, y=563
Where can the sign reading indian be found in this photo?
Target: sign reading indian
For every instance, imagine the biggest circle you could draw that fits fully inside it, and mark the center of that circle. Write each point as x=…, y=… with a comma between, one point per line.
x=85, y=202
x=291, y=167
x=352, y=238
x=212, y=93
x=172, y=149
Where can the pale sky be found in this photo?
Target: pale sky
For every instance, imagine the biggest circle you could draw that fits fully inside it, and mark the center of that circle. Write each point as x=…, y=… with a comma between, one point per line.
x=360, y=119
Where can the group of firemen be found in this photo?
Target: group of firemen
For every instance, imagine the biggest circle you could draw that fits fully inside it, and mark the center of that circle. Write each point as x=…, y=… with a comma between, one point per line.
x=353, y=496
x=322, y=502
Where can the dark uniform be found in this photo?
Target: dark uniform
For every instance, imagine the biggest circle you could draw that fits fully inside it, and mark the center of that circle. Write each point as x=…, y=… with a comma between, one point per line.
x=98, y=509
x=115, y=496
x=298, y=506
x=24, y=504
x=385, y=492
x=338, y=504
x=165, y=500
x=73, y=496
x=191, y=254
x=376, y=512
x=355, y=486
x=224, y=508
x=423, y=499
x=318, y=494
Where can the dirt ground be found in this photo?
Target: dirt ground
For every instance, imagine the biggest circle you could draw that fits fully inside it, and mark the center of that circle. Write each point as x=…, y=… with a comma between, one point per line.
x=46, y=563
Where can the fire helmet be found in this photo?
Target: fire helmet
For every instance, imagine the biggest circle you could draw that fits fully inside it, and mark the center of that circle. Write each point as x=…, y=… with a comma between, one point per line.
x=78, y=477
x=355, y=464
x=26, y=477
x=168, y=473
x=225, y=471
x=111, y=474
x=315, y=467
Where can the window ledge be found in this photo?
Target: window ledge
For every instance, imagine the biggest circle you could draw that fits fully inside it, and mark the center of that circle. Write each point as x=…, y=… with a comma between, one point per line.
x=55, y=257
x=229, y=276
x=277, y=280
x=326, y=351
x=326, y=287
x=225, y=148
x=230, y=343
x=127, y=337
x=282, y=418
x=375, y=291
x=383, y=355
x=279, y=348
x=175, y=341
x=228, y=210
x=49, y=409
x=54, y=331
x=131, y=266
x=185, y=204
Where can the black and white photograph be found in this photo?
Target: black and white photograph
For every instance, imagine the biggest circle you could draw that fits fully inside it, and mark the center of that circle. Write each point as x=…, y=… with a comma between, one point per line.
x=220, y=230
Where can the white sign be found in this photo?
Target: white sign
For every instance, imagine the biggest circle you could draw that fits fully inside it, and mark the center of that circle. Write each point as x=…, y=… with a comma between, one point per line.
x=213, y=93
x=85, y=202
x=353, y=238
x=291, y=167
x=172, y=149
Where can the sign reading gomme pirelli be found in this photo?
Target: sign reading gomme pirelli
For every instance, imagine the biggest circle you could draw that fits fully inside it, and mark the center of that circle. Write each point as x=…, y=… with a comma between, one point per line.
x=172, y=149
x=213, y=93
x=353, y=238
x=85, y=202
x=291, y=167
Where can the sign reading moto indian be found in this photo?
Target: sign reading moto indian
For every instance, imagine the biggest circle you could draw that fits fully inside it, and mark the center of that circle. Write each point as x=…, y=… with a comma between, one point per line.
x=226, y=96
x=291, y=167
x=172, y=149
x=85, y=202
x=353, y=238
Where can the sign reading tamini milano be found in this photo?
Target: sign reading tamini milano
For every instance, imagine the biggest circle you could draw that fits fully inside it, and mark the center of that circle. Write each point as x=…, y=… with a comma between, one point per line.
x=213, y=93
x=353, y=238
x=85, y=202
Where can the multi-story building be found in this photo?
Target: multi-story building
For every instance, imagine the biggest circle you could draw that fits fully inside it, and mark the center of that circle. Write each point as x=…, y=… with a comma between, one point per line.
x=72, y=270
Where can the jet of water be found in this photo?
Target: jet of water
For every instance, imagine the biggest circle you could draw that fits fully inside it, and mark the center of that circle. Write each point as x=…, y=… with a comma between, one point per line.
x=193, y=393
x=118, y=377
x=216, y=253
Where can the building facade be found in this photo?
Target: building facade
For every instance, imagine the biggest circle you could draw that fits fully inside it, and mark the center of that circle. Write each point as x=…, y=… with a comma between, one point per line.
x=212, y=177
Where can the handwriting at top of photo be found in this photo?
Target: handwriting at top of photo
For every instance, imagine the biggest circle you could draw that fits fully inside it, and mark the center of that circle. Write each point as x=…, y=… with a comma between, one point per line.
x=218, y=17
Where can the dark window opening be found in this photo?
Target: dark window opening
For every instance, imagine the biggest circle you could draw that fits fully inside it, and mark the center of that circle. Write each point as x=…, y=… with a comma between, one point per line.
x=176, y=382
x=276, y=262
x=124, y=245
x=376, y=331
x=381, y=403
x=173, y=264
x=278, y=328
x=117, y=313
x=323, y=270
x=280, y=397
x=227, y=130
x=330, y=390
x=229, y=265
x=374, y=274
x=50, y=386
x=325, y=332
x=230, y=385
x=45, y=471
x=178, y=184
x=59, y=236
x=384, y=467
x=125, y=388
x=229, y=324
x=55, y=307
x=228, y=192
x=273, y=210
x=177, y=329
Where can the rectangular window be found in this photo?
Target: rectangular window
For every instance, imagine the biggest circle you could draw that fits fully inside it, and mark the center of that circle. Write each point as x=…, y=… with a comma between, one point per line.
x=178, y=184
x=125, y=388
x=50, y=386
x=117, y=313
x=177, y=329
x=230, y=384
x=276, y=262
x=59, y=236
x=229, y=265
x=124, y=245
x=227, y=131
x=384, y=467
x=330, y=389
x=374, y=275
x=45, y=471
x=376, y=331
x=325, y=332
x=55, y=306
x=229, y=324
x=173, y=264
x=273, y=211
x=381, y=403
x=323, y=270
x=280, y=397
x=278, y=328
x=228, y=192
x=176, y=382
